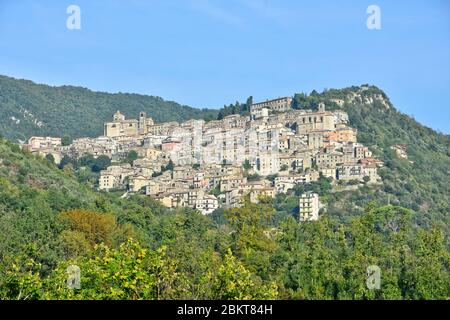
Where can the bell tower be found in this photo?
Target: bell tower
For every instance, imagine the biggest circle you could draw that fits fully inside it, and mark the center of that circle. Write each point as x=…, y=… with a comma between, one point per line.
x=321, y=107
x=142, y=123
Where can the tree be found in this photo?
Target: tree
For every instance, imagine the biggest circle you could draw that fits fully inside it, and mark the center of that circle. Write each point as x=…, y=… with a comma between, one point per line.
x=130, y=272
x=249, y=102
x=131, y=156
x=426, y=273
x=87, y=160
x=21, y=280
x=66, y=140
x=247, y=165
x=170, y=166
x=69, y=170
x=251, y=239
x=74, y=244
x=50, y=158
x=65, y=161
x=96, y=227
x=234, y=282
x=101, y=163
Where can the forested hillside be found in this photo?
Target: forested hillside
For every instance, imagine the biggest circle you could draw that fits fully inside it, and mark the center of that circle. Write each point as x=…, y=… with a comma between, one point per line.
x=136, y=249
x=420, y=183
x=30, y=109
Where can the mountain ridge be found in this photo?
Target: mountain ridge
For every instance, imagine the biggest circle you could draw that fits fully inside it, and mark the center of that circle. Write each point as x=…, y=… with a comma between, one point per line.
x=419, y=183
x=43, y=207
x=31, y=109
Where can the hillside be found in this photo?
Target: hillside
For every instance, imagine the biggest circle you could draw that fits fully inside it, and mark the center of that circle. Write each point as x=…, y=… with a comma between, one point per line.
x=30, y=109
x=420, y=183
x=136, y=249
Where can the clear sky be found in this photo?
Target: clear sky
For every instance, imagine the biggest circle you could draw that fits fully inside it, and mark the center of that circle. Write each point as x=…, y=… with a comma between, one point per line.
x=207, y=53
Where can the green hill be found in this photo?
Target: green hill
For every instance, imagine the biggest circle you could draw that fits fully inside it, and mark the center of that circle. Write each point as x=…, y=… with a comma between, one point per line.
x=31, y=109
x=420, y=183
x=48, y=221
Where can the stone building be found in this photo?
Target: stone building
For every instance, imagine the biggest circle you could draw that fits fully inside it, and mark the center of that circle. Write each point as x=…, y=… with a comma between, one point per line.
x=279, y=105
x=114, y=177
x=123, y=127
x=401, y=151
x=44, y=146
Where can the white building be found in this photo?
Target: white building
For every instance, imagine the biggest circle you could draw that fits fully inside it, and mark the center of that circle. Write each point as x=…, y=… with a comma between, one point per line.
x=309, y=207
x=206, y=204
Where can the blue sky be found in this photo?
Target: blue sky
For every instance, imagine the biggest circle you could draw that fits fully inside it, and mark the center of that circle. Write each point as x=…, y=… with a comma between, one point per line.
x=207, y=53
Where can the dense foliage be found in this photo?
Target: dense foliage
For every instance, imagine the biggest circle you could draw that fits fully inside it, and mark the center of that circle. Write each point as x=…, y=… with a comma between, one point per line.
x=136, y=249
x=420, y=183
x=133, y=248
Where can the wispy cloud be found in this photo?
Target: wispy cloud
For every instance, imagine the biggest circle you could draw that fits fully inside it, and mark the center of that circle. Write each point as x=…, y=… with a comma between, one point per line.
x=268, y=10
x=213, y=10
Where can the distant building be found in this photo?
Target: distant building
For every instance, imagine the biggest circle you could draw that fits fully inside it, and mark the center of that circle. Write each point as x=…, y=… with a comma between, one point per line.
x=401, y=151
x=123, y=127
x=258, y=193
x=44, y=146
x=293, y=147
x=36, y=143
x=279, y=105
x=309, y=207
x=321, y=121
x=114, y=176
x=362, y=152
x=206, y=204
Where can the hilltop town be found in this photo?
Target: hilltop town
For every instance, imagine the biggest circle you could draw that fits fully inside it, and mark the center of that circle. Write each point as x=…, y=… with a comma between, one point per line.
x=216, y=164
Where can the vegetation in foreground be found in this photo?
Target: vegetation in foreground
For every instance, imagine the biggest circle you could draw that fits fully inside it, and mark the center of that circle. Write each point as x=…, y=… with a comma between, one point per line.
x=136, y=249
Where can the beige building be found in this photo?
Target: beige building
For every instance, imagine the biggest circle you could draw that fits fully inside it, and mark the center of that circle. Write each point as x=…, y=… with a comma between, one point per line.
x=315, y=121
x=267, y=164
x=370, y=171
x=123, y=127
x=329, y=158
x=114, y=177
x=278, y=105
x=137, y=183
x=350, y=172
x=401, y=151
x=257, y=194
x=44, y=146
x=362, y=152
x=35, y=143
